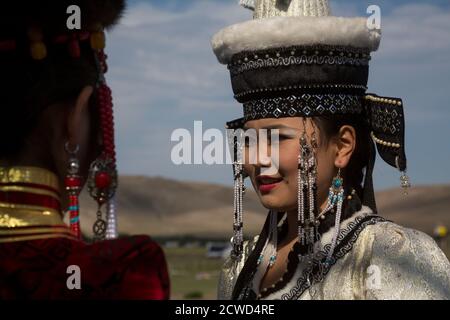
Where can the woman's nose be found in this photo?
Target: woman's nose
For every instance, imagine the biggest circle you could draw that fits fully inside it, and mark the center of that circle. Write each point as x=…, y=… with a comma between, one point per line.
x=259, y=151
x=260, y=154
x=263, y=157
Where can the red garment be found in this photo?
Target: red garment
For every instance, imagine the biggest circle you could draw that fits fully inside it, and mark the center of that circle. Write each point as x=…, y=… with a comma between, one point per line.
x=126, y=268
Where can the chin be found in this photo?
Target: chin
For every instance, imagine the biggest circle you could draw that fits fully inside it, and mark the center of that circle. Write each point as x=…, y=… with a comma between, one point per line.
x=273, y=202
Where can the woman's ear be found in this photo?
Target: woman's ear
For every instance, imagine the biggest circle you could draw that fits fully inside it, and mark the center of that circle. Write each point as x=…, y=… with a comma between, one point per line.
x=346, y=144
x=77, y=129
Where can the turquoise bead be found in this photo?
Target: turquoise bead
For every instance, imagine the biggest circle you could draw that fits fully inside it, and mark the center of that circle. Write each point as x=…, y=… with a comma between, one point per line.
x=337, y=183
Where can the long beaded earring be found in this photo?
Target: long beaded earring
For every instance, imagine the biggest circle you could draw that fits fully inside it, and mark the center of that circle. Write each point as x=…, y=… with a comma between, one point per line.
x=404, y=179
x=102, y=181
x=307, y=190
x=235, y=140
x=335, y=200
x=312, y=189
x=72, y=183
x=302, y=186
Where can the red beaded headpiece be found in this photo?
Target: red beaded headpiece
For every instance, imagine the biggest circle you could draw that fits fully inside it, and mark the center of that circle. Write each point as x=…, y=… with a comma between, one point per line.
x=102, y=180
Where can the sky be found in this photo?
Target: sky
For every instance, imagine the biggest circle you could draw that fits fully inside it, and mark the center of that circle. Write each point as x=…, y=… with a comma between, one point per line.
x=164, y=76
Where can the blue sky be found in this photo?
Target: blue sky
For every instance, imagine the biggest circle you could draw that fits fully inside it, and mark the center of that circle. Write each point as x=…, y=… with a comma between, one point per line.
x=164, y=76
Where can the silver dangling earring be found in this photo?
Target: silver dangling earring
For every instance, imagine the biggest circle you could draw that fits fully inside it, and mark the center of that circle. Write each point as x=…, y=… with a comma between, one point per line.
x=73, y=187
x=302, y=186
x=404, y=179
x=239, y=189
x=335, y=199
x=312, y=190
x=102, y=184
x=300, y=194
x=111, y=220
x=238, y=224
x=307, y=190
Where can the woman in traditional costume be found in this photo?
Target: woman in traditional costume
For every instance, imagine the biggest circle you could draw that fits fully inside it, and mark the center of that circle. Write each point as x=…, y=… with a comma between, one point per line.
x=58, y=135
x=297, y=69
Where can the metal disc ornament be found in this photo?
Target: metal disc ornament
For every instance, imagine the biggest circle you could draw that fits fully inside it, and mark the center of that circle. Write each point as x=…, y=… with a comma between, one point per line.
x=102, y=184
x=99, y=229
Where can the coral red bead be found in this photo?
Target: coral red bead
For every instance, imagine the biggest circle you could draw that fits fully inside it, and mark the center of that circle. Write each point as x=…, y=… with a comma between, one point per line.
x=102, y=180
x=74, y=48
x=72, y=182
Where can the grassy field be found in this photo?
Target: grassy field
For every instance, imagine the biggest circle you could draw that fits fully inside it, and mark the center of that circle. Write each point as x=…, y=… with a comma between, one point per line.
x=194, y=276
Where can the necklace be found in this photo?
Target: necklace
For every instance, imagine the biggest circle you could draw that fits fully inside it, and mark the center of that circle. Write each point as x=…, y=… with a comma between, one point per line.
x=270, y=250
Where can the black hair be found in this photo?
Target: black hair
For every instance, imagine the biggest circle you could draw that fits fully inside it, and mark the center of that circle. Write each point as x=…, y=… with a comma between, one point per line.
x=28, y=87
x=329, y=127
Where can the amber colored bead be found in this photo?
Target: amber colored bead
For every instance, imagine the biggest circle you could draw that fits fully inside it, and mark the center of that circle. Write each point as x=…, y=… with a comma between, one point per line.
x=38, y=50
x=97, y=40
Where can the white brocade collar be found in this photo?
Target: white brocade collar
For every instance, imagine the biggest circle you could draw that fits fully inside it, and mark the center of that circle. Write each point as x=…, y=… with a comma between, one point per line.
x=303, y=276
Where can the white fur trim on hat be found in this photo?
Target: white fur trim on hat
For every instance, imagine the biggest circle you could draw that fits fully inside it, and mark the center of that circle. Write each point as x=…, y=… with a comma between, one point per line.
x=279, y=32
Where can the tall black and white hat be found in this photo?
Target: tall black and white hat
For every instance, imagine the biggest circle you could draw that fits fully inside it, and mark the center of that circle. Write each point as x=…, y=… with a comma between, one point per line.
x=296, y=59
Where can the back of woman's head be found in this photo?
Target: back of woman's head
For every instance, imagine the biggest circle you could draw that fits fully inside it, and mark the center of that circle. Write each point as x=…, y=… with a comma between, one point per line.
x=29, y=85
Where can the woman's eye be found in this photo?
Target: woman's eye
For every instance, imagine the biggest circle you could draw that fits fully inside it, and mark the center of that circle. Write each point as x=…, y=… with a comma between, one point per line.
x=269, y=140
x=248, y=142
x=281, y=137
x=272, y=139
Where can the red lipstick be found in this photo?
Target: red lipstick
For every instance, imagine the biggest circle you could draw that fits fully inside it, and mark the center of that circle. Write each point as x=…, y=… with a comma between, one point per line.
x=267, y=183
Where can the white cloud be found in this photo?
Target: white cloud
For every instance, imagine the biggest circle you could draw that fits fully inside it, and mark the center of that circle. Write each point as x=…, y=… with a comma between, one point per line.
x=416, y=30
x=157, y=53
x=162, y=70
x=413, y=61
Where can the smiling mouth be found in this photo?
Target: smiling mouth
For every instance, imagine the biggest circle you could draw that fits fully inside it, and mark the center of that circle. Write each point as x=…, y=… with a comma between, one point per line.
x=267, y=183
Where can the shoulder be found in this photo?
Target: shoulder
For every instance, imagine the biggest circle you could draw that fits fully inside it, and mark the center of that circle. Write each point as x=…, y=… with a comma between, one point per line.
x=140, y=264
x=247, y=247
x=410, y=263
x=390, y=239
x=231, y=270
x=132, y=247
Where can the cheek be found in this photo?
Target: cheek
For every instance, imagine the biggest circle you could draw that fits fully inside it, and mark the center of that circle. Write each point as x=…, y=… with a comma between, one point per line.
x=248, y=169
x=285, y=196
x=289, y=159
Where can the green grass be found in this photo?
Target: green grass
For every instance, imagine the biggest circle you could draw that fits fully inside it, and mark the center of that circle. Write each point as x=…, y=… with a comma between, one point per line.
x=185, y=264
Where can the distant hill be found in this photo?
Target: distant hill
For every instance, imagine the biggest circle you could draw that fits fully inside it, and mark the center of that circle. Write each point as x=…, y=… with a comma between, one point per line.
x=423, y=208
x=162, y=207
